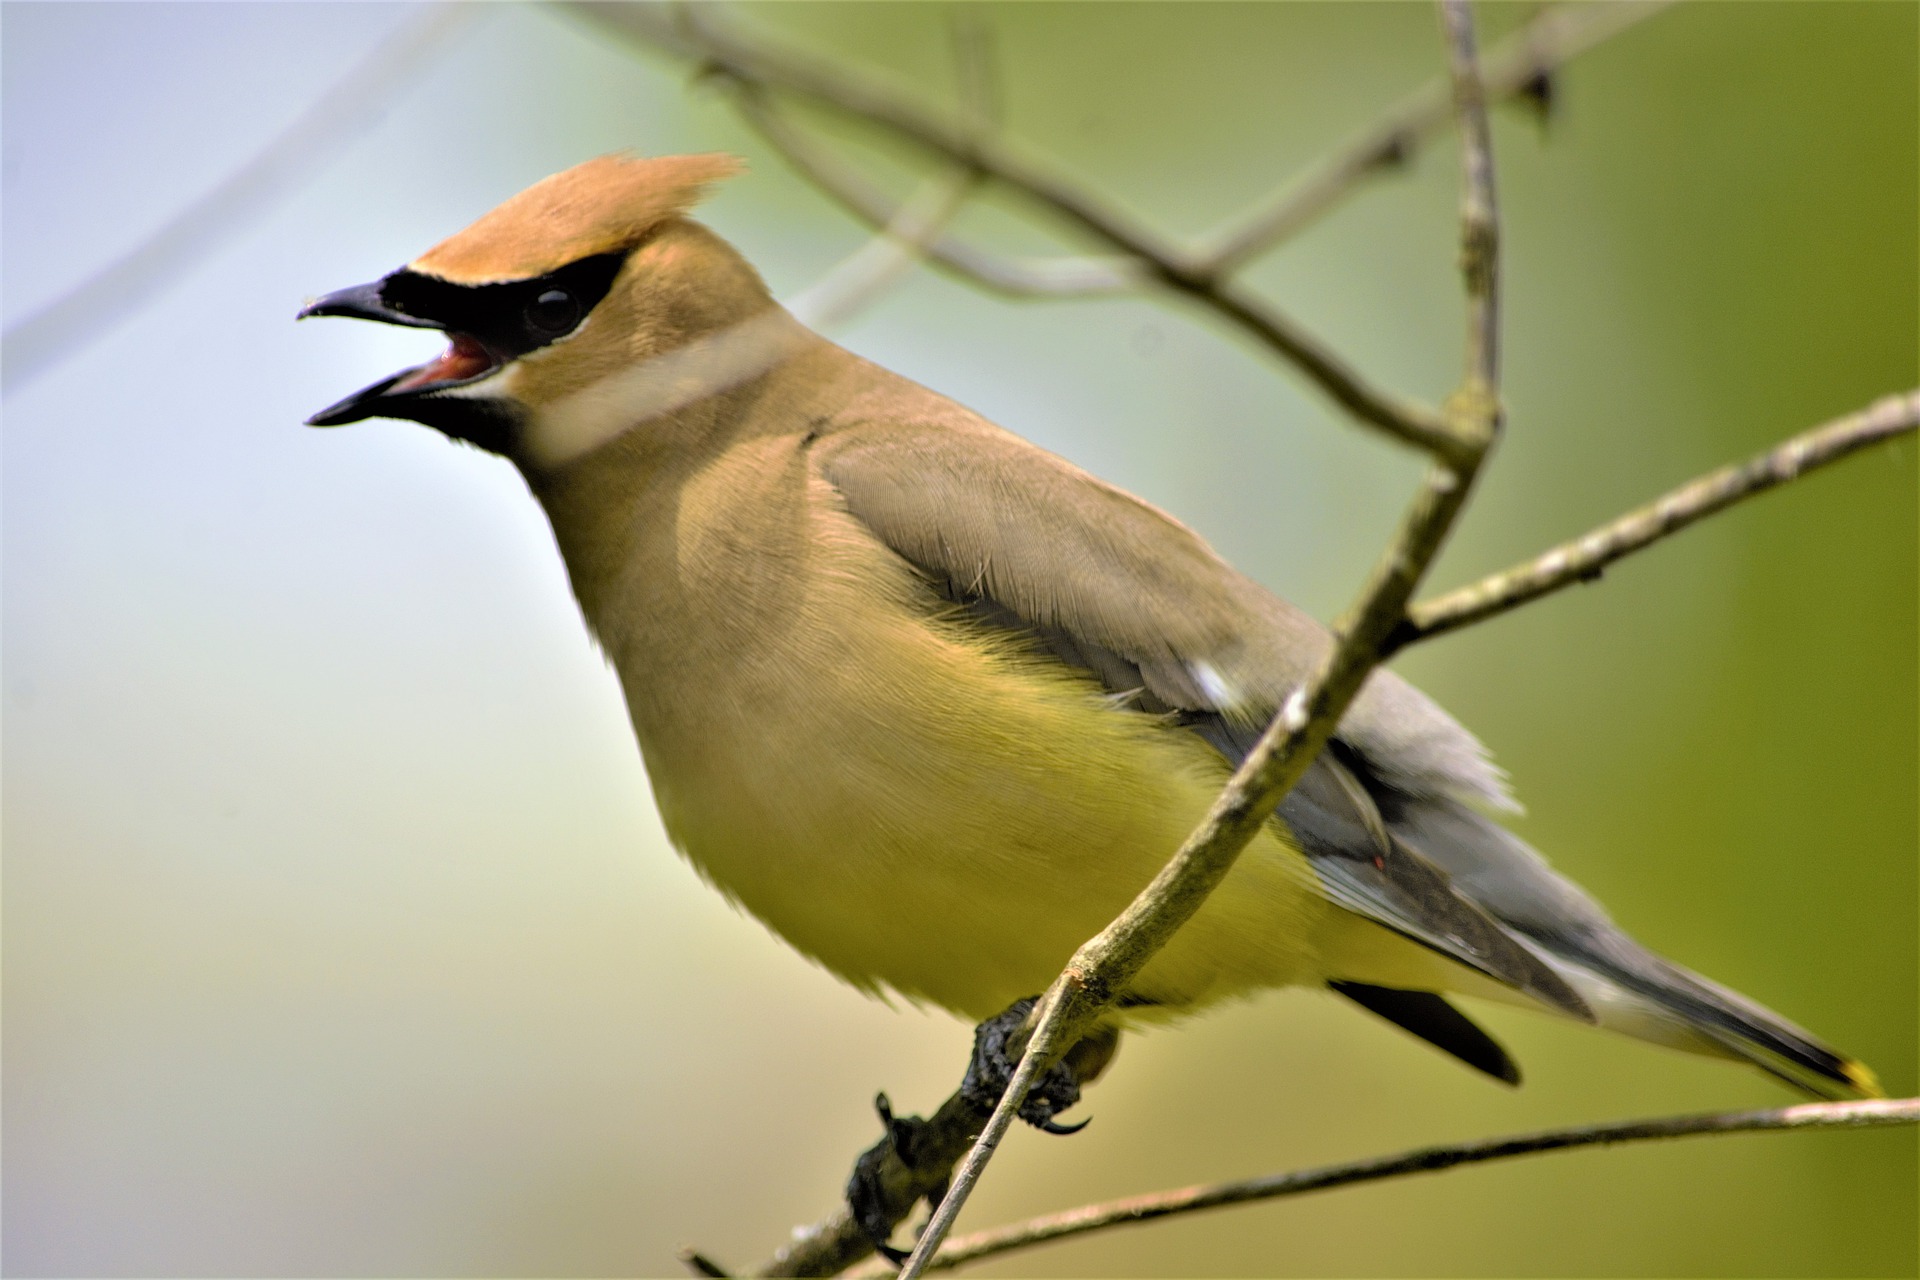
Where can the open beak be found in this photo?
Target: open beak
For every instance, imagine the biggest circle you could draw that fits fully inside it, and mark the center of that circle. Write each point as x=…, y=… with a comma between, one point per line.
x=466, y=359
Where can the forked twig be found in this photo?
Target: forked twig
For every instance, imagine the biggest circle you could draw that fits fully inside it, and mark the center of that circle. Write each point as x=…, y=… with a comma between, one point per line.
x=1520, y=64
x=692, y=31
x=1584, y=558
x=1020, y=277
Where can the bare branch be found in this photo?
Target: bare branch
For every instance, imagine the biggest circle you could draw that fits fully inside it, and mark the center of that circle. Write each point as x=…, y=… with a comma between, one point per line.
x=1514, y=67
x=1019, y=277
x=1520, y=61
x=1517, y=63
x=1013, y=276
x=878, y=265
x=1103, y=967
x=1583, y=559
x=1479, y=215
x=961, y=1250
x=49, y=335
x=691, y=31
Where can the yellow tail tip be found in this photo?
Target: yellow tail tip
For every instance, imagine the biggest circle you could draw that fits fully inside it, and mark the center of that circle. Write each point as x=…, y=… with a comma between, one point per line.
x=1861, y=1077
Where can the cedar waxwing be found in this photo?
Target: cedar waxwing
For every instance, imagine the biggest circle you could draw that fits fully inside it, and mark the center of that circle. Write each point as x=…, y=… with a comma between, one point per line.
x=934, y=704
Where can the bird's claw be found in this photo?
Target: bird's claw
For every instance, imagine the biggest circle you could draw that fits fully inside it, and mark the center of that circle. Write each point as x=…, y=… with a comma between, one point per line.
x=1054, y=1126
x=987, y=1076
x=901, y=1131
x=993, y=1067
x=866, y=1200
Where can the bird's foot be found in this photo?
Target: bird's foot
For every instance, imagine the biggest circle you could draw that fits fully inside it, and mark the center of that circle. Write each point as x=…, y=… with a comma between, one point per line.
x=993, y=1066
x=914, y=1157
x=867, y=1199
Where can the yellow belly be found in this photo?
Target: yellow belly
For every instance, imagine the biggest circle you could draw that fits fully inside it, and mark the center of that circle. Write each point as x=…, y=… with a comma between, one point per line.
x=959, y=850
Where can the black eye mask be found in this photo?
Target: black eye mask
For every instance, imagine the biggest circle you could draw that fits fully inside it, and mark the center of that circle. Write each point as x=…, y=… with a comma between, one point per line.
x=486, y=325
x=508, y=319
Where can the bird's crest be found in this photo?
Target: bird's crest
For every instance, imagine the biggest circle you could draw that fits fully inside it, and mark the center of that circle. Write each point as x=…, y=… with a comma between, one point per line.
x=603, y=206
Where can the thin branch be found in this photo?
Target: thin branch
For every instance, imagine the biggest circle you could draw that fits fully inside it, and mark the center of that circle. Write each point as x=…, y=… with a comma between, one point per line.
x=1513, y=67
x=41, y=340
x=1518, y=63
x=960, y=1250
x=1517, y=66
x=1479, y=213
x=905, y=237
x=1583, y=559
x=859, y=280
x=1020, y=277
x=690, y=30
x=1104, y=966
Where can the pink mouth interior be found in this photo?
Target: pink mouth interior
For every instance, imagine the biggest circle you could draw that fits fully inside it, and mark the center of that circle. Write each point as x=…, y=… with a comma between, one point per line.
x=464, y=358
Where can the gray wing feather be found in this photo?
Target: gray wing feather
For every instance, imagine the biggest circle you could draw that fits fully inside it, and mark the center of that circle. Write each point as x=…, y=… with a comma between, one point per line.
x=983, y=510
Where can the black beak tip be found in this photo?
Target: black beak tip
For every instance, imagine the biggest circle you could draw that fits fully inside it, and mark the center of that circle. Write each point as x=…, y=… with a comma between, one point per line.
x=368, y=402
x=337, y=415
x=364, y=302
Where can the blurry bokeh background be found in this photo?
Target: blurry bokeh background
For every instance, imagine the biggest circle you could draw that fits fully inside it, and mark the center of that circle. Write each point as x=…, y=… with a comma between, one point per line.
x=340, y=934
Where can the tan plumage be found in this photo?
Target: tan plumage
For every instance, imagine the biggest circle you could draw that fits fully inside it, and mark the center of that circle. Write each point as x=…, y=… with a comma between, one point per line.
x=607, y=203
x=934, y=704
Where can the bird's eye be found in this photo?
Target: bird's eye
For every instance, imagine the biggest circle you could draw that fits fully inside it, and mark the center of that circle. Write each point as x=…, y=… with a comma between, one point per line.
x=553, y=313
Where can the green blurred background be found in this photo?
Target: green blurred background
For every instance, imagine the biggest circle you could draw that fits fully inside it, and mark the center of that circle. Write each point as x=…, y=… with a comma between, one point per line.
x=341, y=937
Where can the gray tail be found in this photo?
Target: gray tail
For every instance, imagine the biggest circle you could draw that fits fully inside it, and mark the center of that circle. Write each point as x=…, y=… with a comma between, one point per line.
x=1634, y=991
x=1629, y=988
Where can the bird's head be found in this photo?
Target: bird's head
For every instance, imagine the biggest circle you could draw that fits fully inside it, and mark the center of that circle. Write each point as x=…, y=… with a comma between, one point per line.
x=578, y=277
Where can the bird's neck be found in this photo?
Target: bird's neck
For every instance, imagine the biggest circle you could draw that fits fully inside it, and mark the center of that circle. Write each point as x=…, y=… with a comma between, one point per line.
x=616, y=508
x=673, y=395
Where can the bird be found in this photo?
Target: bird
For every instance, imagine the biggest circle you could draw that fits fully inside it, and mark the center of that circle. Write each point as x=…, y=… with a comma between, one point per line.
x=934, y=704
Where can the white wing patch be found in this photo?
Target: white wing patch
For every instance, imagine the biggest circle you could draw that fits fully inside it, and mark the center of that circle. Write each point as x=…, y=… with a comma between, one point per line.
x=1218, y=690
